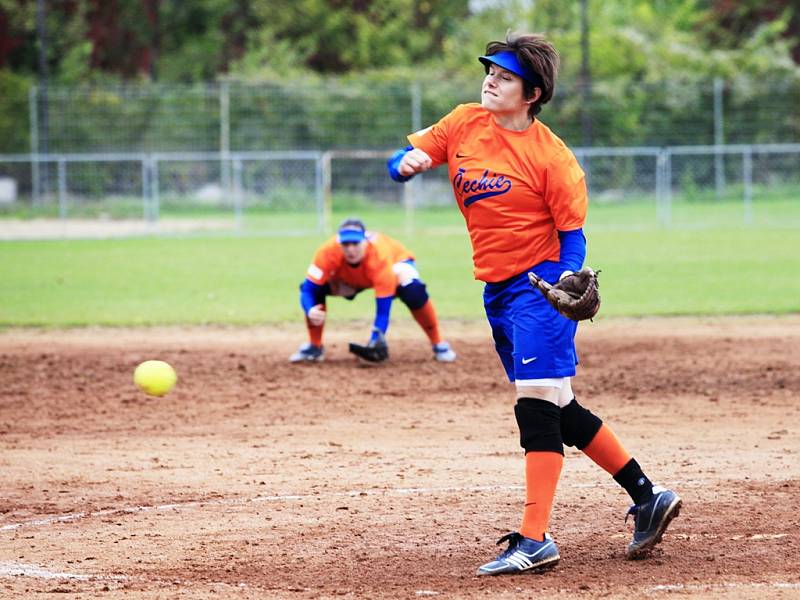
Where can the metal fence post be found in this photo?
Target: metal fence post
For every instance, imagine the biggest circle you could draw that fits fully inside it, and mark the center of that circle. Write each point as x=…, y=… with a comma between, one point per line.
x=659, y=187
x=62, y=189
x=719, y=138
x=409, y=189
x=33, y=109
x=155, y=200
x=225, y=135
x=327, y=193
x=663, y=193
x=319, y=192
x=416, y=106
x=668, y=183
x=237, y=192
x=145, y=186
x=747, y=177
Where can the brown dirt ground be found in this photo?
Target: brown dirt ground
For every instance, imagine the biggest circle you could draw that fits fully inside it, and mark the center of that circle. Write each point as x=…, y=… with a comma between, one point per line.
x=259, y=479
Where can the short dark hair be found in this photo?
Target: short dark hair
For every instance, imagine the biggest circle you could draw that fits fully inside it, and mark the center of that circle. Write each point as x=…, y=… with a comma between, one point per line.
x=534, y=51
x=352, y=223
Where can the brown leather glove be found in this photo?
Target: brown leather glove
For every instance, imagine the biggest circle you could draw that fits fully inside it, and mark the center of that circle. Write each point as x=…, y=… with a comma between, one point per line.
x=576, y=296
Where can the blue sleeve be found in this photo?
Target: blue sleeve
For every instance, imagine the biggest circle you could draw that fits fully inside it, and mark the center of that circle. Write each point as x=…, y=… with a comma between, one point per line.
x=573, y=249
x=383, y=306
x=394, y=162
x=310, y=294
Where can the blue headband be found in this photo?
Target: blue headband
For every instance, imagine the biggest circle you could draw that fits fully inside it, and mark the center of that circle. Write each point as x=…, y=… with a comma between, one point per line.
x=508, y=60
x=350, y=235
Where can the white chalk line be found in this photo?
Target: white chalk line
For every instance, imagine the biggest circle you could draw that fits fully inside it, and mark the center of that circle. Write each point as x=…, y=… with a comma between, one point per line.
x=66, y=518
x=703, y=587
x=18, y=569
x=15, y=569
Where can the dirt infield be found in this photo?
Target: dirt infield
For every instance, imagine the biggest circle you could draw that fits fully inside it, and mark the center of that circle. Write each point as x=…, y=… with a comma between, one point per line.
x=259, y=479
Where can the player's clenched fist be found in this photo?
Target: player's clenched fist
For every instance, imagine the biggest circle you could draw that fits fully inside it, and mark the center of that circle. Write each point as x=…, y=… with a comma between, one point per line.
x=316, y=315
x=415, y=161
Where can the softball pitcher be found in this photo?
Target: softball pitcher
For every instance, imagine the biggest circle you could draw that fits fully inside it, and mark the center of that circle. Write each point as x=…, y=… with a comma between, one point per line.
x=523, y=196
x=354, y=260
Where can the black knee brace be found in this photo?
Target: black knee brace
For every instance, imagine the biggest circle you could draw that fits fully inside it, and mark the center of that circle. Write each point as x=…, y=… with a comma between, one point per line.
x=539, y=428
x=578, y=425
x=414, y=295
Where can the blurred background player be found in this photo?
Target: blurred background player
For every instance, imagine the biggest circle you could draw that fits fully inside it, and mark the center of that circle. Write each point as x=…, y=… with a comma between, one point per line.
x=523, y=196
x=354, y=260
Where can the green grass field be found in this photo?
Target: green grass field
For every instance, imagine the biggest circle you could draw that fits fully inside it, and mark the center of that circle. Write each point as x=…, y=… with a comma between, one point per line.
x=706, y=263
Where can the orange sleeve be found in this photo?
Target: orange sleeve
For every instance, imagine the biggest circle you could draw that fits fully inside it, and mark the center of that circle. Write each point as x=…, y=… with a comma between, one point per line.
x=326, y=260
x=565, y=191
x=433, y=139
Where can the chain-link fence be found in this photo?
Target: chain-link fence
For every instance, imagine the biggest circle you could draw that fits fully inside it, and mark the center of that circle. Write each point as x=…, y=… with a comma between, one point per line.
x=331, y=114
x=301, y=192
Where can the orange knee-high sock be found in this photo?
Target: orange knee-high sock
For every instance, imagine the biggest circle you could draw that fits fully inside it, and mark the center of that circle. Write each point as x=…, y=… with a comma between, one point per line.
x=607, y=450
x=314, y=333
x=542, y=470
x=426, y=317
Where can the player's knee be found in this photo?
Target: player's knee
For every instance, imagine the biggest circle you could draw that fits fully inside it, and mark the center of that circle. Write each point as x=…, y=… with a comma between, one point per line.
x=414, y=294
x=539, y=425
x=405, y=271
x=578, y=425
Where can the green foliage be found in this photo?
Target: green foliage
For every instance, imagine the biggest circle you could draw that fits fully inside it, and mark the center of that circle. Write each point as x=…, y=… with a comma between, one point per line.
x=338, y=37
x=322, y=74
x=14, y=113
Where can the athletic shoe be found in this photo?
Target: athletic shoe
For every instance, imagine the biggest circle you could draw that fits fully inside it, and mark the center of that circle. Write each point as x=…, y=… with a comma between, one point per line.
x=443, y=352
x=308, y=353
x=523, y=554
x=651, y=520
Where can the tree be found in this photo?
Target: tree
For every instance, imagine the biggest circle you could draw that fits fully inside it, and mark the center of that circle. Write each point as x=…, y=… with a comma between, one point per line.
x=337, y=36
x=730, y=22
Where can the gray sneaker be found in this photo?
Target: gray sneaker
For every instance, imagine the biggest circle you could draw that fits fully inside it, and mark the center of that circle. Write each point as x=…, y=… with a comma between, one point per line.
x=523, y=554
x=651, y=521
x=443, y=352
x=308, y=353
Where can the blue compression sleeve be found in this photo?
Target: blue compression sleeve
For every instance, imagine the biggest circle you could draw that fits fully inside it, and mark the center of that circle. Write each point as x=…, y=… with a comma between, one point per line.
x=394, y=162
x=573, y=249
x=383, y=307
x=311, y=294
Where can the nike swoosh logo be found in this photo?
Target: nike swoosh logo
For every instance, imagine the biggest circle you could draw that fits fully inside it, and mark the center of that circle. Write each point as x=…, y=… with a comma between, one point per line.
x=525, y=361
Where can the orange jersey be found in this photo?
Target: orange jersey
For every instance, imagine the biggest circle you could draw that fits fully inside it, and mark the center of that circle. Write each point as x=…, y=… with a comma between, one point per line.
x=516, y=189
x=374, y=271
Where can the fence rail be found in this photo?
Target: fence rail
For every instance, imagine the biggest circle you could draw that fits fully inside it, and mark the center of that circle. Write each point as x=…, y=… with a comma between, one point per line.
x=298, y=191
x=372, y=113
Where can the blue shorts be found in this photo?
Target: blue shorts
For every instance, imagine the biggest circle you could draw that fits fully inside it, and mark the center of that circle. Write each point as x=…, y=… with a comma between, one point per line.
x=533, y=340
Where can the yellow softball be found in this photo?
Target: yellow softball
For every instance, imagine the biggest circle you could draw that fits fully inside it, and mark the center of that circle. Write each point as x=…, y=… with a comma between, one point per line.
x=155, y=377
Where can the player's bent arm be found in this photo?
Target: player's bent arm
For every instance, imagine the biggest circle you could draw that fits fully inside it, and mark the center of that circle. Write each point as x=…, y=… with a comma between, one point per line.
x=406, y=163
x=383, y=308
x=311, y=294
x=573, y=250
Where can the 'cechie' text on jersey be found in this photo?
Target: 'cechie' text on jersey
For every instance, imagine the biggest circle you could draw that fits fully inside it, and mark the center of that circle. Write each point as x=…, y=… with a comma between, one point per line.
x=486, y=186
x=515, y=189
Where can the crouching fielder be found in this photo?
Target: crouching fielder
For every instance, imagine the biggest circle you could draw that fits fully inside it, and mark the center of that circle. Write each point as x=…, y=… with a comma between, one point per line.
x=354, y=260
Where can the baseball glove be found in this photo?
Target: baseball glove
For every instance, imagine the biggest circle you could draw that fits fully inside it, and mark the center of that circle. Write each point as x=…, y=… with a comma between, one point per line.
x=576, y=296
x=375, y=351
